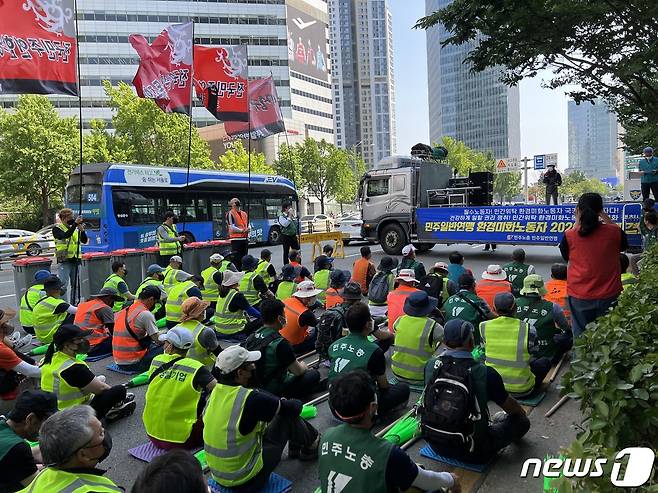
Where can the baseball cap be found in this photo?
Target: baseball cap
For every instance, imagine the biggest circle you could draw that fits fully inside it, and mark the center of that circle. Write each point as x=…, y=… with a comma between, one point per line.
x=441, y=266
x=325, y=262
x=42, y=275
x=68, y=332
x=534, y=283
x=504, y=301
x=39, y=402
x=153, y=269
x=150, y=292
x=648, y=150
x=179, y=337
x=216, y=257
x=457, y=331
x=234, y=357
x=408, y=249
x=53, y=282
x=306, y=289
x=231, y=278
x=176, y=258
x=107, y=292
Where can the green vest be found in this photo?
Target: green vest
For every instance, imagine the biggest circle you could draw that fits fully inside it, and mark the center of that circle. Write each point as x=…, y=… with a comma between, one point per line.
x=321, y=279
x=516, y=273
x=170, y=278
x=51, y=480
x=51, y=381
x=538, y=314
x=168, y=248
x=175, y=299
x=70, y=246
x=28, y=300
x=506, y=346
x=197, y=351
x=273, y=377
x=291, y=229
x=350, y=353
x=171, y=404
x=210, y=289
x=246, y=287
x=457, y=307
x=261, y=270
x=113, y=282
x=412, y=347
x=353, y=460
x=227, y=322
x=285, y=290
x=8, y=439
x=149, y=281
x=46, y=321
x=233, y=458
x=627, y=279
x=410, y=264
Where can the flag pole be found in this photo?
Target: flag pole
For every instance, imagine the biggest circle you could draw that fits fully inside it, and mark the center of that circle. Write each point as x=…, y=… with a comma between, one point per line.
x=248, y=145
x=189, y=133
x=75, y=287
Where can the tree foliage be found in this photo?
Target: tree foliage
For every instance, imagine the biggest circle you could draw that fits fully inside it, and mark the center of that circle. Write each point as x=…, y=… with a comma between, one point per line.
x=507, y=186
x=595, y=49
x=237, y=159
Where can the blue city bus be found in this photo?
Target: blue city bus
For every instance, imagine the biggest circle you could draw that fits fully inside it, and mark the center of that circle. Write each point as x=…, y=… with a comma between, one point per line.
x=123, y=204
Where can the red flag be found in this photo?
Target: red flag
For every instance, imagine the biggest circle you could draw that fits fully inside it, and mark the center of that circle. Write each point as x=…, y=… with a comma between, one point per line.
x=264, y=112
x=220, y=80
x=37, y=47
x=165, y=67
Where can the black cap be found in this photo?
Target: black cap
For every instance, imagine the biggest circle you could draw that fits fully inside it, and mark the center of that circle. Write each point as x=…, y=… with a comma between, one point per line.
x=466, y=281
x=351, y=291
x=249, y=262
x=39, y=402
x=150, y=292
x=457, y=331
x=53, y=282
x=290, y=272
x=338, y=278
x=68, y=332
x=504, y=301
x=388, y=263
x=265, y=253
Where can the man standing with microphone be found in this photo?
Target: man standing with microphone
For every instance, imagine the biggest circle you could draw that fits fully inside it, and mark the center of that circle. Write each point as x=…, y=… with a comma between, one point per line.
x=238, y=232
x=552, y=179
x=649, y=170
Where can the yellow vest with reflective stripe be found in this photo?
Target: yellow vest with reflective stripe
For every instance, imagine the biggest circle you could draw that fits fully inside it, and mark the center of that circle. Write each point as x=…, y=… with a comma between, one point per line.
x=51, y=480
x=70, y=245
x=412, y=349
x=261, y=270
x=149, y=281
x=171, y=404
x=177, y=295
x=210, y=288
x=227, y=322
x=247, y=288
x=113, y=282
x=197, y=351
x=52, y=381
x=321, y=279
x=169, y=247
x=28, y=300
x=233, y=458
x=46, y=322
x=170, y=278
x=506, y=347
x=285, y=290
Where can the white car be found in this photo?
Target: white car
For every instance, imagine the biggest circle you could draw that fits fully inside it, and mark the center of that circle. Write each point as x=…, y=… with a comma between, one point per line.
x=350, y=225
x=18, y=241
x=316, y=223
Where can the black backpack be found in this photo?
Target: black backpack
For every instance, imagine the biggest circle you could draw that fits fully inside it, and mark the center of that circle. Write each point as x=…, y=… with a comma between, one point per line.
x=450, y=408
x=256, y=343
x=433, y=286
x=329, y=329
x=379, y=287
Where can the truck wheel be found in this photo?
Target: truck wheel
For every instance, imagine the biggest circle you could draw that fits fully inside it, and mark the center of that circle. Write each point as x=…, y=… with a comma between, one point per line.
x=392, y=239
x=424, y=247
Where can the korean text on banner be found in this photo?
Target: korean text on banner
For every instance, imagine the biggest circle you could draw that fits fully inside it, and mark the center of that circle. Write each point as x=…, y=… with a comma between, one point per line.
x=264, y=111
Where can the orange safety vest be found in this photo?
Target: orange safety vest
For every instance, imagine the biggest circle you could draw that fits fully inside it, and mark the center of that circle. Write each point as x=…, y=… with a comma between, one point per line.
x=241, y=221
x=557, y=293
x=360, y=273
x=487, y=290
x=395, y=301
x=293, y=331
x=332, y=298
x=86, y=319
x=125, y=348
x=299, y=278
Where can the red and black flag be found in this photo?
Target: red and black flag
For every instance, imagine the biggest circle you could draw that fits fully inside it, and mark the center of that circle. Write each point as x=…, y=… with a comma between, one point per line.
x=264, y=112
x=165, y=68
x=220, y=80
x=37, y=47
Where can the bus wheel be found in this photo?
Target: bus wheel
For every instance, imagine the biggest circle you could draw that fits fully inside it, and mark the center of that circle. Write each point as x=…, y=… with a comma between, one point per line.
x=274, y=236
x=392, y=239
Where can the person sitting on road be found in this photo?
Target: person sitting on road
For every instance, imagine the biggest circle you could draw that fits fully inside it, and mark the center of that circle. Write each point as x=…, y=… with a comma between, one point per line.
x=232, y=310
x=337, y=281
x=456, y=267
x=382, y=283
x=73, y=382
x=409, y=261
x=51, y=310
x=353, y=398
x=117, y=281
x=509, y=344
x=245, y=431
x=265, y=269
x=96, y=315
x=517, y=270
x=327, y=252
x=155, y=277
x=33, y=294
x=332, y=323
x=627, y=278
x=173, y=273
x=252, y=285
x=494, y=281
x=468, y=306
x=437, y=284
x=178, y=294
x=356, y=352
x=174, y=399
x=279, y=371
x=287, y=284
x=296, y=261
x=18, y=461
x=206, y=346
x=177, y=470
x=300, y=319
x=135, y=341
x=212, y=276
x=556, y=288
x=72, y=443
x=489, y=436
x=417, y=336
x=407, y=285
x=321, y=277
x=364, y=269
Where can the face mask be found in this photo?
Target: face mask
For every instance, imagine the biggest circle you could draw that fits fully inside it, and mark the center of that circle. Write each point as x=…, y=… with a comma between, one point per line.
x=107, y=446
x=83, y=347
x=175, y=220
x=70, y=222
x=125, y=272
x=160, y=277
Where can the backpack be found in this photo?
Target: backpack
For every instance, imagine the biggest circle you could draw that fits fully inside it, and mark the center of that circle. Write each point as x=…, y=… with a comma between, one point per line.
x=379, y=287
x=450, y=408
x=254, y=343
x=329, y=329
x=433, y=286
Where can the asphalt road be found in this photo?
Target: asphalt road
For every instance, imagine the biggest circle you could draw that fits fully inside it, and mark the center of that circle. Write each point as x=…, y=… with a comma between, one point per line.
x=545, y=437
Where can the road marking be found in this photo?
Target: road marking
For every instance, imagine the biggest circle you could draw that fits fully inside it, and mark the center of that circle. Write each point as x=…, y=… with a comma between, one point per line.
x=3, y=282
x=359, y=254
x=8, y=296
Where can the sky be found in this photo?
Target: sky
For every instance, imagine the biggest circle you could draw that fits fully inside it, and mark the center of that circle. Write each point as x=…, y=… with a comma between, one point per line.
x=543, y=111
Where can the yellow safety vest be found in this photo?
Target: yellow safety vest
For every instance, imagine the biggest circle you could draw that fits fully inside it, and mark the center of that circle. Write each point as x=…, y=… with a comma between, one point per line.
x=197, y=351
x=261, y=270
x=506, y=347
x=46, y=321
x=170, y=278
x=171, y=404
x=113, y=282
x=227, y=322
x=285, y=290
x=52, y=480
x=28, y=300
x=233, y=458
x=52, y=381
x=210, y=288
x=177, y=295
x=168, y=248
x=247, y=288
x=412, y=349
x=71, y=246
x=321, y=279
x=149, y=281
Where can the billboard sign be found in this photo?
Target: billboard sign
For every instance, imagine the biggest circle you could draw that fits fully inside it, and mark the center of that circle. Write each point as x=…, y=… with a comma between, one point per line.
x=307, y=44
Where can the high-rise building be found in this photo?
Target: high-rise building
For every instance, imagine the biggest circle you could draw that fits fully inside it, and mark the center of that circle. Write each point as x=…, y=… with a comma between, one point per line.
x=363, y=82
x=299, y=66
x=594, y=146
x=475, y=108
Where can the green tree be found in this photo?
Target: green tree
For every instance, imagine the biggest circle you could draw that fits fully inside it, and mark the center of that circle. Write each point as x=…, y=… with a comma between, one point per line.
x=237, y=159
x=100, y=146
x=507, y=186
x=38, y=150
x=351, y=169
x=576, y=183
x=595, y=49
x=464, y=159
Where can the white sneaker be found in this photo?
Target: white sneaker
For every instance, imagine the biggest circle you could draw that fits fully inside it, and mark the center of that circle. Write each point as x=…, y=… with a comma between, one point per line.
x=14, y=337
x=23, y=342
x=101, y=378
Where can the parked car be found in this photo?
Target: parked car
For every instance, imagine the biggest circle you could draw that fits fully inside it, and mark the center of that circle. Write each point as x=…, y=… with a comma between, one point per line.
x=47, y=231
x=316, y=223
x=22, y=241
x=351, y=225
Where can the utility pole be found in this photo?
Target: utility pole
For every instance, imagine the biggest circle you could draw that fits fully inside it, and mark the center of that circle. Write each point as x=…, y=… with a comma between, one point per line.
x=525, y=162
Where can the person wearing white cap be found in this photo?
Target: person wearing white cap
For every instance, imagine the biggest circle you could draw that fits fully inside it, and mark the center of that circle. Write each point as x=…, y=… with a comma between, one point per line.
x=173, y=273
x=300, y=319
x=232, y=308
x=174, y=398
x=409, y=261
x=437, y=284
x=212, y=276
x=407, y=285
x=245, y=431
x=494, y=281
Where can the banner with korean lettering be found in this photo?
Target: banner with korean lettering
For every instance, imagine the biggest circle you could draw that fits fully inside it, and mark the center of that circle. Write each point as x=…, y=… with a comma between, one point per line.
x=37, y=47
x=264, y=112
x=516, y=224
x=165, y=67
x=220, y=80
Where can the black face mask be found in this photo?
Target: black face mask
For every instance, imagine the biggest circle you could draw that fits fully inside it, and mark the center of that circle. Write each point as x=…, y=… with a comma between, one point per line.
x=70, y=222
x=175, y=220
x=107, y=446
x=83, y=347
x=160, y=277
